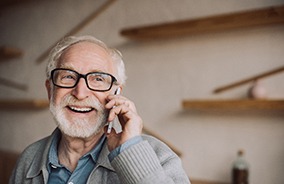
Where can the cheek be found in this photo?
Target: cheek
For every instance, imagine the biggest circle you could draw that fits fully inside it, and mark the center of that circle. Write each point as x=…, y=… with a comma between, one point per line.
x=58, y=95
x=102, y=97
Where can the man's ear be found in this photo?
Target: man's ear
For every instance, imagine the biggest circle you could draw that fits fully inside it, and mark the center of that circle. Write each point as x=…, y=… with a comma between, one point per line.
x=48, y=88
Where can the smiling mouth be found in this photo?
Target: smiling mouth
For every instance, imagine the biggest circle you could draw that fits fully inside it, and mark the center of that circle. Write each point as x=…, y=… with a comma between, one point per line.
x=80, y=109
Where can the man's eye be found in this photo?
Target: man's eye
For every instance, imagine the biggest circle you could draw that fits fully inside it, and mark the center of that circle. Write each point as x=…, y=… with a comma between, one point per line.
x=99, y=79
x=68, y=77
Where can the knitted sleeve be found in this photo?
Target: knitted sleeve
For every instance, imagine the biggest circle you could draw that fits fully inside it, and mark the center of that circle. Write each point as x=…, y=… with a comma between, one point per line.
x=151, y=162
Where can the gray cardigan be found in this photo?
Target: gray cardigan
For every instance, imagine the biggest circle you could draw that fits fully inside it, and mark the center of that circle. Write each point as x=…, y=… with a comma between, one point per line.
x=149, y=162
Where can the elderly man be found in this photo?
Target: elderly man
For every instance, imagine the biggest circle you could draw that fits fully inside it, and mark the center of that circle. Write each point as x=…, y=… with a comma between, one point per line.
x=83, y=75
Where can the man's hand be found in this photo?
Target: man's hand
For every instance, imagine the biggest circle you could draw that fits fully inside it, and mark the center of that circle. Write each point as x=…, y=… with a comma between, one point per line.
x=130, y=121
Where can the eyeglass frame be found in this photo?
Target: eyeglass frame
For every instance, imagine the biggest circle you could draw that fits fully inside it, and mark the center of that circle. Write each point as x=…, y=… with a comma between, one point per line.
x=84, y=76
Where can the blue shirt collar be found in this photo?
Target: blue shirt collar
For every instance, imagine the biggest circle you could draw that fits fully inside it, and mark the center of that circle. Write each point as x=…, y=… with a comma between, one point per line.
x=53, y=157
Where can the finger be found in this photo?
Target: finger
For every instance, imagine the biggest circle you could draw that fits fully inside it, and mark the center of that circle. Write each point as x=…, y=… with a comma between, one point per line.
x=121, y=111
x=115, y=102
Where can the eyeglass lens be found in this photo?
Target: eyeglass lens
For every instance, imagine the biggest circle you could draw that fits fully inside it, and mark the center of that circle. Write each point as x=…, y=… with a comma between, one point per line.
x=68, y=79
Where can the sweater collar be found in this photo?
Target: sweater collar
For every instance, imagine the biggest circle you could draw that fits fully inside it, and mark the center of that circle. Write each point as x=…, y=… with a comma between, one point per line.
x=39, y=163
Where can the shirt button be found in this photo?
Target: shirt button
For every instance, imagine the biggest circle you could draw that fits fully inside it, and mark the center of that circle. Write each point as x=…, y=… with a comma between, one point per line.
x=70, y=182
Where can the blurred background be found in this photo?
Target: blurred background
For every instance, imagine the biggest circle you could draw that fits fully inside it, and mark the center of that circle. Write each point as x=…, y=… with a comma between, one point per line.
x=171, y=76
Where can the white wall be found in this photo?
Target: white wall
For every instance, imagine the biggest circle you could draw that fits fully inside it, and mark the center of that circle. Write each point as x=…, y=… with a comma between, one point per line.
x=160, y=75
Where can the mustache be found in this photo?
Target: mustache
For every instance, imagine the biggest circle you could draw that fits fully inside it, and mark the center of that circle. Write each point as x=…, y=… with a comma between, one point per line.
x=92, y=102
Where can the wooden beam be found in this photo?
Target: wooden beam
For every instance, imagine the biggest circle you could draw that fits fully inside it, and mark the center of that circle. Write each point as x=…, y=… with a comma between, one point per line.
x=147, y=131
x=265, y=16
x=9, y=83
x=76, y=29
x=7, y=52
x=244, y=81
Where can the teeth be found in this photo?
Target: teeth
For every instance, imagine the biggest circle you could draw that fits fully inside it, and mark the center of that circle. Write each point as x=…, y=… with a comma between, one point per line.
x=83, y=109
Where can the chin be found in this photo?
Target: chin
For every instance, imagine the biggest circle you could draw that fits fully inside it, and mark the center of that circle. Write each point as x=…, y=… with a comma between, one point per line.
x=80, y=128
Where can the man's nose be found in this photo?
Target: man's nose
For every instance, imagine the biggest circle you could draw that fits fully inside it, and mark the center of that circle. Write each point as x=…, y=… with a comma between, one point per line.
x=81, y=90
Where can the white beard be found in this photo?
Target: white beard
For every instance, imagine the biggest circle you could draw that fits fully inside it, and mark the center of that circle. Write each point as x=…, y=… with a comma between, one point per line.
x=79, y=127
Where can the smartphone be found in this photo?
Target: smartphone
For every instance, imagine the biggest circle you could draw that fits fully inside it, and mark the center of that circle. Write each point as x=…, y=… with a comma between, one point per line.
x=110, y=124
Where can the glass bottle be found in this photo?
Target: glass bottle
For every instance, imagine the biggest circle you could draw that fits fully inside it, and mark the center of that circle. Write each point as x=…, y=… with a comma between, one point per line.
x=240, y=170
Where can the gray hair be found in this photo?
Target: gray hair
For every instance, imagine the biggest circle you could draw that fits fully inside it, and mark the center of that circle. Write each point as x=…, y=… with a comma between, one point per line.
x=61, y=46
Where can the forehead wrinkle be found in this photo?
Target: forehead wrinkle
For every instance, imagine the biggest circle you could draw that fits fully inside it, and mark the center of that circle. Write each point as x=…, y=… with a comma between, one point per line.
x=101, y=59
x=93, y=51
x=71, y=67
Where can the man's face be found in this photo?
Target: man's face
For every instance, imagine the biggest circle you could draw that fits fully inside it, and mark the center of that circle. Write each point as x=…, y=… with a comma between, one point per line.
x=79, y=111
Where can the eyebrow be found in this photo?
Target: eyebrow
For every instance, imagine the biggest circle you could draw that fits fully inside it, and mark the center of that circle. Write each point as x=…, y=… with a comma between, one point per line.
x=72, y=68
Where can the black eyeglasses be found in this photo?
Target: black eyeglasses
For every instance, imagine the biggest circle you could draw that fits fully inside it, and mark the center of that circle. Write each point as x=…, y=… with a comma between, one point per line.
x=96, y=81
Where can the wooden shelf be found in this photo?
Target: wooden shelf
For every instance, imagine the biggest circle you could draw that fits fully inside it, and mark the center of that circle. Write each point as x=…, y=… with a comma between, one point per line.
x=233, y=104
x=7, y=52
x=23, y=104
x=260, y=17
